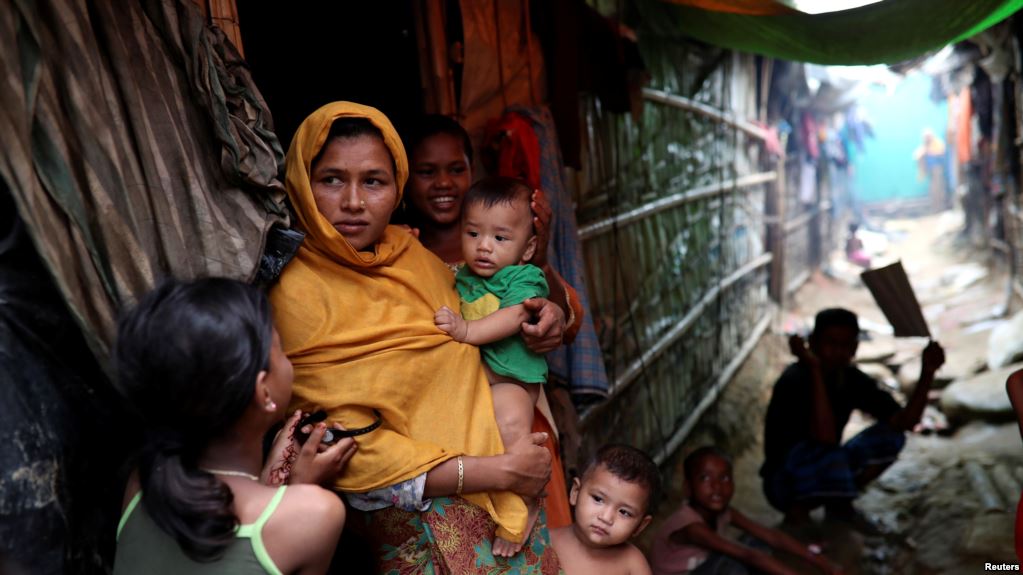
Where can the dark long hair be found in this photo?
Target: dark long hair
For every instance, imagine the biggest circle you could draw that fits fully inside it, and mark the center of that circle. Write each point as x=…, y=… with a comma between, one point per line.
x=187, y=359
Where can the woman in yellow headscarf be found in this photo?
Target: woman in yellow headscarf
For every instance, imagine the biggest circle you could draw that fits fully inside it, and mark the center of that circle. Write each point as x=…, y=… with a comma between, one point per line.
x=355, y=310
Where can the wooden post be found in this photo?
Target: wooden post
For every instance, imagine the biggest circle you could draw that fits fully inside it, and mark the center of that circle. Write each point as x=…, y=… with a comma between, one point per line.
x=774, y=215
x=815, y=252
x=224, y=14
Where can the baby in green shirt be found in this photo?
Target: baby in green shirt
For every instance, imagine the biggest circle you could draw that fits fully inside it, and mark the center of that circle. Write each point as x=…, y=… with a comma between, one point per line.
x=498, y=241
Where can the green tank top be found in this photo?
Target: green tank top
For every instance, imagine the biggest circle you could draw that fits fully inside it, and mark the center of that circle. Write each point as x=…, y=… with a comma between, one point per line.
x=142, y=547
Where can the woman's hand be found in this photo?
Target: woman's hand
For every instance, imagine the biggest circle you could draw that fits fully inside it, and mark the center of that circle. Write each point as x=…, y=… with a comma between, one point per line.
x=546, y=334
x=318, y=463
x=542, y=215
x=528, y=465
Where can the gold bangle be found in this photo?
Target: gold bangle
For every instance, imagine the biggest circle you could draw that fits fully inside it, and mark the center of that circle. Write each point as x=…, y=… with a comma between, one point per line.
x=461, y=476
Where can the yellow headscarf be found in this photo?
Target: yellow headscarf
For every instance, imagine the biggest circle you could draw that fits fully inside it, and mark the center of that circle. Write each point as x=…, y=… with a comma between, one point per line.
x=358, y=327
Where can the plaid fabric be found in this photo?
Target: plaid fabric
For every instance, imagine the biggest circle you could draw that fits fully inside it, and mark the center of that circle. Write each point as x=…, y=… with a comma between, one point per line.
x=582, y=363
x=816, y=472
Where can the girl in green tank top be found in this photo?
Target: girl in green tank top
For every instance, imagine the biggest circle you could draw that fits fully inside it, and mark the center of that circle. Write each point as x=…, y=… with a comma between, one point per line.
x=202, y=366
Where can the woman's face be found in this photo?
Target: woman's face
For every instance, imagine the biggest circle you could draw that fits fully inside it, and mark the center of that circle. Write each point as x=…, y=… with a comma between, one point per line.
x=440, y=177
x=355, y=189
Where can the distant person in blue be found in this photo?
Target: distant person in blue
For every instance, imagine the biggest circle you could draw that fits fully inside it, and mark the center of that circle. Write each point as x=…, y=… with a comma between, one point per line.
x=806, y=464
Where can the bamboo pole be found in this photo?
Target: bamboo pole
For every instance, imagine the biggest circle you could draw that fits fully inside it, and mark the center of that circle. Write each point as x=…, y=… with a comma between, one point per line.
x=635, y=368
x=715, y=114
x=642, y=212
x=774, y=215
x=722, y=381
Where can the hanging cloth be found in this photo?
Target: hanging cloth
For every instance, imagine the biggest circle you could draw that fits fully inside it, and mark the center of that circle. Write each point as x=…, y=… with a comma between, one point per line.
x=581, y=364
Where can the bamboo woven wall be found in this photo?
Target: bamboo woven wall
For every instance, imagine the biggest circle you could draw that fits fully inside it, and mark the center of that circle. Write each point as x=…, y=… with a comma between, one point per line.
x=676, y=293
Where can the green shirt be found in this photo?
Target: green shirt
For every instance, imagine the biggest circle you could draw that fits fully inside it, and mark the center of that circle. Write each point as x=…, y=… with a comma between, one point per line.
x=142, y=547
x=483, y=296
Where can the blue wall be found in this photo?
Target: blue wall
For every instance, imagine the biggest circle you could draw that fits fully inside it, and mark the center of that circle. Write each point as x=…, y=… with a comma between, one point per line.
x=886, y=170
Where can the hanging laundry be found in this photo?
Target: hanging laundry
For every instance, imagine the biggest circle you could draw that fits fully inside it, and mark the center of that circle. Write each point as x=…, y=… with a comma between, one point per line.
x=808, y=183
x=808, y=133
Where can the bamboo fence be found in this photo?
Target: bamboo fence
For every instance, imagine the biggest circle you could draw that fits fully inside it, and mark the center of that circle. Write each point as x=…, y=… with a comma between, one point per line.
x=671, y=212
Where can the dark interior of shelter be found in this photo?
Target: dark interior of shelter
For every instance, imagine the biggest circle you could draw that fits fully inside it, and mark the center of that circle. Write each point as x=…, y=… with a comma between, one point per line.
x=780, y=321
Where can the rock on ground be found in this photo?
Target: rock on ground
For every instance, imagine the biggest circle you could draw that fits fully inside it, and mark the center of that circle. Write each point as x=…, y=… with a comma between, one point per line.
x=981, y=397
x=1005, y=345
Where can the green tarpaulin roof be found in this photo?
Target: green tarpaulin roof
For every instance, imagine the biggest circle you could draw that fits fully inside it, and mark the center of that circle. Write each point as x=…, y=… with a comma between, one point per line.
x=883, y=33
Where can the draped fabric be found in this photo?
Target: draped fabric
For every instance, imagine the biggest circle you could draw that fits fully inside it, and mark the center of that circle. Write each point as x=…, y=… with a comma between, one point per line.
x=757, y=7
x=582, y=362
x=884, y=32
x=358, y=328
x=135, y=146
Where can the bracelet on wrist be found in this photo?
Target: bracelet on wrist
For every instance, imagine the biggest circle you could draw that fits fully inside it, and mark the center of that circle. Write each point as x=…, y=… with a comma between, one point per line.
x=461, y=476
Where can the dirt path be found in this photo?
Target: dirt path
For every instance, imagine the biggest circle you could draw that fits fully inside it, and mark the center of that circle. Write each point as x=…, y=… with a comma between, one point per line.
x=947, y=505
x=949, y=502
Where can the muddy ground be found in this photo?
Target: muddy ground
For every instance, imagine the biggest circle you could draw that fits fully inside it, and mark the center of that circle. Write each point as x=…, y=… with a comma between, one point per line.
x=948, y=504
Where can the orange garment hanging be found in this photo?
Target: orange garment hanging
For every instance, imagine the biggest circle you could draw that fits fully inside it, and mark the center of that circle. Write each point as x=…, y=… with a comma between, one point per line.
x=964, y=125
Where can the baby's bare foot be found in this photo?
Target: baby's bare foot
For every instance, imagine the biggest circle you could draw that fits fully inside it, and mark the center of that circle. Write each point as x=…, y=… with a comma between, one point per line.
x=504, y=548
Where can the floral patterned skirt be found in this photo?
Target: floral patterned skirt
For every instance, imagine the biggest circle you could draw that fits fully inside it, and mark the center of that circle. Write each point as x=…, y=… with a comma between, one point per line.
x=452, y=537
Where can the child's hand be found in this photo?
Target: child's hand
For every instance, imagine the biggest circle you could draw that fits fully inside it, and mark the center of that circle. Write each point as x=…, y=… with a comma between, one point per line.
x=321, y=464
x=799, y=349
x=282, y=453
x=451, y=323
x=933, y=358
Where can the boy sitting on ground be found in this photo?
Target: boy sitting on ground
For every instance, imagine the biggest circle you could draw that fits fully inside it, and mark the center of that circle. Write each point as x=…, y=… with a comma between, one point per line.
x=806, y=465
x=612, y=505
x=693, y=539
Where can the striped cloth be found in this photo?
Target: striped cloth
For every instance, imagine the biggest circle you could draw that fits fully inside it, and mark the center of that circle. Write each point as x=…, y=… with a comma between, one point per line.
x=136, y=147
x=582, y=363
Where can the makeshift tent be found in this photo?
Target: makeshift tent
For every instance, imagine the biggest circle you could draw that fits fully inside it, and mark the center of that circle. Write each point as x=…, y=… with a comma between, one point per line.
x=136, y=148
x=885, y=32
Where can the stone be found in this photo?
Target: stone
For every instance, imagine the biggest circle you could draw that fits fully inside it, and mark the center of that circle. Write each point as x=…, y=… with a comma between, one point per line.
x=877, y=350
x=909, y=375
x=981, y=397
x=1005, y=345
x=878, y=371
x=989, y=535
